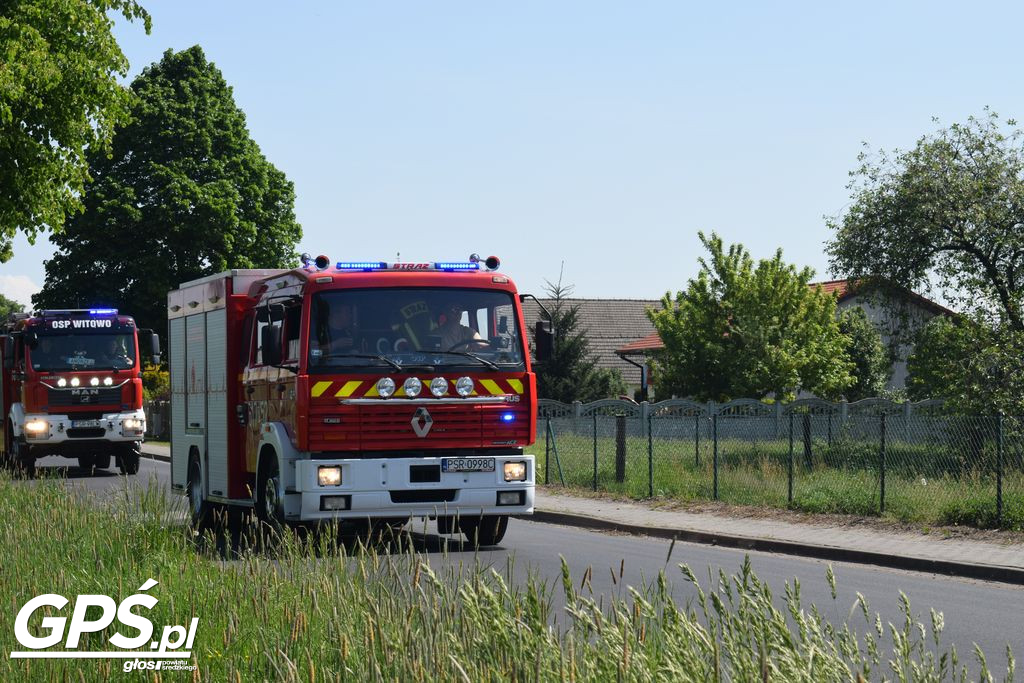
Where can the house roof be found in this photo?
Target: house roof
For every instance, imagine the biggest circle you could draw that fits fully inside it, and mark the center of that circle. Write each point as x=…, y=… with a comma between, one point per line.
x=609, y=324
x=843, y=289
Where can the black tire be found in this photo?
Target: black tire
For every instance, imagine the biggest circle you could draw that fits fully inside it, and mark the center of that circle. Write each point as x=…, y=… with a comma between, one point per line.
x=484, y=531
x=21, y=458
x=200, y=509
x=445, y=525
x=86, y=463
x=102, y=460
x=128, y=459
x=269, y=504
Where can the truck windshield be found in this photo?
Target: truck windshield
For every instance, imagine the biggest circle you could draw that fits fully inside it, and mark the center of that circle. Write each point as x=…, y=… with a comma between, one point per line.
x=415, y=326
x=82, y=352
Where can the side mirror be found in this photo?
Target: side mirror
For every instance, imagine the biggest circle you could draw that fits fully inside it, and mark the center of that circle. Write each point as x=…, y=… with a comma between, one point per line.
x=32, y=339
x=544, y=341
x=154, y=348
x=270, y=341
x=8, y=352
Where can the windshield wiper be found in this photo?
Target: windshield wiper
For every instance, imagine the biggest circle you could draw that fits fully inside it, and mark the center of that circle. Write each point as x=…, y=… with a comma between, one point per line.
x=468, y=354
x=397, y=366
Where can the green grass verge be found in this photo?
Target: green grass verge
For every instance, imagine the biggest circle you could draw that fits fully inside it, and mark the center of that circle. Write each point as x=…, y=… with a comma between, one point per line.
x=311, y=612
x=920, y=487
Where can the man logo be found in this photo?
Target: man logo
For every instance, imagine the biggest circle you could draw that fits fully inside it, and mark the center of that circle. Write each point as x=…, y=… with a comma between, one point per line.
x=422, y=422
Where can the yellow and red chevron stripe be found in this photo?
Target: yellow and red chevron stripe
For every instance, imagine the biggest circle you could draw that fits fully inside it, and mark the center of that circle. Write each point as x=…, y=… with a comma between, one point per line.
x=355, y=388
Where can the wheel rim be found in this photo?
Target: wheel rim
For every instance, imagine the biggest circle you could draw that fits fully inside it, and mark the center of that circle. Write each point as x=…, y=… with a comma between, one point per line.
x=270, y=497
x=195, y=493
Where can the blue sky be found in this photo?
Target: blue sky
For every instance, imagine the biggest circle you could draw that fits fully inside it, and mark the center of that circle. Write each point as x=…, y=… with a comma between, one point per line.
x=602, y=135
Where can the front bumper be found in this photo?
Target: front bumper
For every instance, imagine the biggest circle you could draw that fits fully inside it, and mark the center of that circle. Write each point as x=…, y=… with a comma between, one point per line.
x=65, y=429
x=393, y=488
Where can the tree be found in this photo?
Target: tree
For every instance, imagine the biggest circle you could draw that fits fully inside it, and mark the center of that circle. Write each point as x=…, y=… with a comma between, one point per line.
x=59, y=97
x=8, y=306
x=871, y=366
x=951, y=209
x=572, y=373
x=741, y=330
x=186, y=193
x=976, y=368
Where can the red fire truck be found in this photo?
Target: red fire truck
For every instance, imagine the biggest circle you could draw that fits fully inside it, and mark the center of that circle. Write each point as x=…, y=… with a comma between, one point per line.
x=356, y=391
x=71, y=385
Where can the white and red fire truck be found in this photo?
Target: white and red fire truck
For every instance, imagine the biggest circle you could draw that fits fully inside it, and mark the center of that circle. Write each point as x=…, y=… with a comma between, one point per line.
x=71, y=385
x=355, y=391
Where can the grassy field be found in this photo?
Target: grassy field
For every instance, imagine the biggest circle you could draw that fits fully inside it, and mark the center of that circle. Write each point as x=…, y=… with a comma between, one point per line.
x=922, y=485
x=312, y=611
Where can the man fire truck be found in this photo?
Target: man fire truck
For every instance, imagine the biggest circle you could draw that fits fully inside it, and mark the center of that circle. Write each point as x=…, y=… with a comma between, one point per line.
x=71, y=385
x=336, y=392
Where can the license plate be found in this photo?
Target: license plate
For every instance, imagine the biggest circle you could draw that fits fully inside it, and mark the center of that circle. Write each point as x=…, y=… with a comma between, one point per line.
x=85, y=423
x=467, y=464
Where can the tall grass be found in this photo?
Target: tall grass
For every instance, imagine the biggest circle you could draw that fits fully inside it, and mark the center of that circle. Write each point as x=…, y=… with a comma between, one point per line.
x=309, y=610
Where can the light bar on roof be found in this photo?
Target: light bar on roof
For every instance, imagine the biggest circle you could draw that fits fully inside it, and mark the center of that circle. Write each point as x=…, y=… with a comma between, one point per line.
x=446, y=266
x=451, y=266
x=365, y=266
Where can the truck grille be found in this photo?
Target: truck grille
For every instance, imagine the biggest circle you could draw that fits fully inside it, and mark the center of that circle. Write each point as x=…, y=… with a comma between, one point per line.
x=86, y=433
x=84, y=396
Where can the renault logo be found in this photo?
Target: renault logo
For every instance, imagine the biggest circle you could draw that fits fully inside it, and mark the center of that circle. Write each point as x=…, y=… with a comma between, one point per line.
x=421, y=422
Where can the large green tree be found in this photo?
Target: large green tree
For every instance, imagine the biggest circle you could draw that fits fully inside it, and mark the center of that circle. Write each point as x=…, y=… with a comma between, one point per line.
x=745, y=330
x=950, y=211
x=571, y=374
x=871, y=363
x=185, y=193
x=8, y=306
x=59, y=97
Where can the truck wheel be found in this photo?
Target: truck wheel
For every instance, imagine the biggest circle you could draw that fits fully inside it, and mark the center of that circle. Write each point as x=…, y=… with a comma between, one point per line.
x=102, y=461
x=128, y=459
x=199, y=508
x=269, y=506
x=86, y=463
x=445, y=524
x=484, y=531
x=21, y=459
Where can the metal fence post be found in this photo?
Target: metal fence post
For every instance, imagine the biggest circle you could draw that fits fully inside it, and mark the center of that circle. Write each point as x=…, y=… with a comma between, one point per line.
x=650, y=455
x=881, y=455
x=791, y=458
x=696, y=440
x=714, y=438
x=595, y=451
x=547, y=451
x=999, y=469
x=620, y=448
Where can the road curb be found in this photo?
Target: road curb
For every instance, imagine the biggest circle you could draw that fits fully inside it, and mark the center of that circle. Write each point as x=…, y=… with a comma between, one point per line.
x=985, y=572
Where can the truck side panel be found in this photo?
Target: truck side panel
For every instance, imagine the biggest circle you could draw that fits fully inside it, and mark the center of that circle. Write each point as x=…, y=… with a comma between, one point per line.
x=179, y=449
x=217, y=400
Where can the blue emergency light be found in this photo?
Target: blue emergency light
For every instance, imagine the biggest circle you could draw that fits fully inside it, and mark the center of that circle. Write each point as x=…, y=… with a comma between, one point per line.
x=102, y=311
x=452, y=266
x=365, y=266
x=508, y=417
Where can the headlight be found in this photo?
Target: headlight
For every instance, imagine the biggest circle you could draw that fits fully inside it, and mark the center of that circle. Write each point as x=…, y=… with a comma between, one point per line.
x=464, y=386
x=75, y=381
x=515, y=471
x=107, y=381
x=439, y=386
x=412, y=387
x=386, y=387
x=328, y=476
x=132, y=424
x=37, y=427
x=62, y=382
x=95, y=381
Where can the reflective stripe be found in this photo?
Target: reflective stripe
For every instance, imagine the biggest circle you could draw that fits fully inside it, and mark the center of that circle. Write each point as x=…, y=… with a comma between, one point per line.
x=516, y=385
x=372, y=391
x=319, y=388
x=348, y=388
x=492, y=386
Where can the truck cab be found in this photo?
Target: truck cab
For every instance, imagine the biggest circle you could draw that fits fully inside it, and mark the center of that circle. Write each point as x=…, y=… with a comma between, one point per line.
x=356, y=391
x=71, y=386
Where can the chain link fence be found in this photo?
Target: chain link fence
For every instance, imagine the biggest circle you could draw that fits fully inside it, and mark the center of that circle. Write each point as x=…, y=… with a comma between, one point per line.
x=912, y=462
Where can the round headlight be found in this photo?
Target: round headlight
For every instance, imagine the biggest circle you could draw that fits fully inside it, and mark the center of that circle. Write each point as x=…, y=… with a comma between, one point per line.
x=386, y=387
x=62, y=382
x=439, y=386
x=464, y=386
x=412, y=387
x=95, y=381
x=75, y=382
x=107, y=381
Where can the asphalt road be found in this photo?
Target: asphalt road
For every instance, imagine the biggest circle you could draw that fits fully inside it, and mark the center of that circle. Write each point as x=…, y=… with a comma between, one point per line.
x=989, y=614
